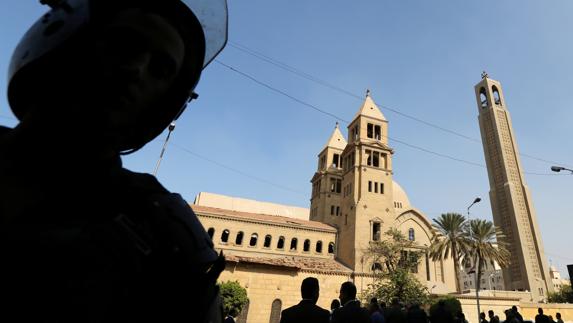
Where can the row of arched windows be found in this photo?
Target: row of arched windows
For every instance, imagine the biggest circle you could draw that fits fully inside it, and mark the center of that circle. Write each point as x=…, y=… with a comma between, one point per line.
x=253, y=240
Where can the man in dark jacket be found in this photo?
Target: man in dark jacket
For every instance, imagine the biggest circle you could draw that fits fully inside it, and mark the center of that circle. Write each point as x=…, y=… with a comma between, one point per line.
x=351, y=311
x=541, y=318
x=306, y=310
x=516, y=313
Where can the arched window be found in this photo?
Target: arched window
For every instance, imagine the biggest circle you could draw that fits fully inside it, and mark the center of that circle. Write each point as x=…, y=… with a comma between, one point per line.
x=253, y=241
x=281, y=243
x=276, y=311
x=293, y=244
x=376, y=267
x=411, y=235
x=239, y=238
x=483, y=97
x=319, y=246
x=306, y=245
x=225, y=235
x=331, y=247
x=268, y=240
x=496, y=97
x=211, y=232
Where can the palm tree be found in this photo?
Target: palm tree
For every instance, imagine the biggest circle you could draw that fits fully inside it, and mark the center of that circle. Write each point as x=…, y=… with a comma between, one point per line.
x=486, y=246
x=450, y=240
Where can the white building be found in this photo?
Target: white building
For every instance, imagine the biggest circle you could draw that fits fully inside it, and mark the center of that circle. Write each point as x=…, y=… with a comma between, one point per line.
x=491, y=278
x=556, y=279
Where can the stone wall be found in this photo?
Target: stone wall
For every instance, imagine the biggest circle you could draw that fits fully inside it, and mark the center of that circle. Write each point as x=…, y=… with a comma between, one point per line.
x=266, y=284
x=529, y=310
x=500, y=303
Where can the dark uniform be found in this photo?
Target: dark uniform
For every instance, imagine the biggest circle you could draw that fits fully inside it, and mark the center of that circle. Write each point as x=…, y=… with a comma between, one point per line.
x=81, y=238
x=109, y=245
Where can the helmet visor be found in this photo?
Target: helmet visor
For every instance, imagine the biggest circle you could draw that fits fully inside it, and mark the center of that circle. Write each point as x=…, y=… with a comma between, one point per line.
x=212, y=14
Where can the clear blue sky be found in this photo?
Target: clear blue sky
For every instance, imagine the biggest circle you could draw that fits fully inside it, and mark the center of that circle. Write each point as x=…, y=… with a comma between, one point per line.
x=419, y=57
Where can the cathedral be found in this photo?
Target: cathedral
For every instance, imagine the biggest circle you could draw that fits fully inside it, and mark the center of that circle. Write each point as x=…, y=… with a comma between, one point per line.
x=271, y=248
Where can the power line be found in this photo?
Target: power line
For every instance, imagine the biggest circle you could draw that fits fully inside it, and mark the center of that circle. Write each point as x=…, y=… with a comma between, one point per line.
x=279, y=91
x=256, y=178
x=302, y=102
x=324, y=83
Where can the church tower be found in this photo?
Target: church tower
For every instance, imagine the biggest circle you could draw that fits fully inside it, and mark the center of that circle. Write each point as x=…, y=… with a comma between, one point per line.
x=325, y=202
x=367, y=202
x=511, y=202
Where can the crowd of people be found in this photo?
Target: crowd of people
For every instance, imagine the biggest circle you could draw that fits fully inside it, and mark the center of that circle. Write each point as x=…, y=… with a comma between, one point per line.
x=348, y=309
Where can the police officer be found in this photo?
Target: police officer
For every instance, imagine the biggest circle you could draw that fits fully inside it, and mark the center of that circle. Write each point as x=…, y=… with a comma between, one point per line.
x=81, y=238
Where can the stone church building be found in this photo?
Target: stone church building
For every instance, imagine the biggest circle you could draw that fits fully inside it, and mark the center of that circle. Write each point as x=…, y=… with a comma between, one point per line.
x=271, y=248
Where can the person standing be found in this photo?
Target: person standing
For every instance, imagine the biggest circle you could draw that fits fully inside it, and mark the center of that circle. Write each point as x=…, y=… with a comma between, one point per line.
x=540, y=317
x=374, y=311
x=516, y=314
x=482, y=318
x=306, y=310
x=416, y=314
x=492, y=317
x=351, y=311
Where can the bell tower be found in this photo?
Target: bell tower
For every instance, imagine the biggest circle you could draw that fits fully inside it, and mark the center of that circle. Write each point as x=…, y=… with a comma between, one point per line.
x=367, y=202
x=511, y=202
x=325, y=202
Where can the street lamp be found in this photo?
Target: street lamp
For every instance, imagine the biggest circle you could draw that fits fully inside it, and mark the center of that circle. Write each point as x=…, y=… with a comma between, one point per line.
x=477, y=200
x=557, y=169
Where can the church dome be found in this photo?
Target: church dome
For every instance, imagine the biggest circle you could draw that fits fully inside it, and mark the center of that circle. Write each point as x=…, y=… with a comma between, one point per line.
x=401, y=200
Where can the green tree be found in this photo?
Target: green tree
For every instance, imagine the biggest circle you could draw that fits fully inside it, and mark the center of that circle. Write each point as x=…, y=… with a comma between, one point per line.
x=234, y=297
x=400, y=284
x=564, y=295
x=450, y=240
x=394, y=258
x=393, y=251
x=483, y=237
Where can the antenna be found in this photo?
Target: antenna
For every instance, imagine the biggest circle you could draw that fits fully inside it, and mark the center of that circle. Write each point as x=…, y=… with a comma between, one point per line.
x=171, y=128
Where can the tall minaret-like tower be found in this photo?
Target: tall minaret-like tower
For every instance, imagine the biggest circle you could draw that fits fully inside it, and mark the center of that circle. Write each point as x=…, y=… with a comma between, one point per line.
x=511, y=202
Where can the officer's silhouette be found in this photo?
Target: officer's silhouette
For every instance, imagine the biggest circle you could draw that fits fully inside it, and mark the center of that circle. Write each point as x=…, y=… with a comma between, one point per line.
x=81, y=238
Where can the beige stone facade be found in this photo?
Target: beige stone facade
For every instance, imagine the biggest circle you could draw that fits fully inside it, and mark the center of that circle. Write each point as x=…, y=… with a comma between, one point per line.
x=511, y=202
x=271, y=248
x=505, y=300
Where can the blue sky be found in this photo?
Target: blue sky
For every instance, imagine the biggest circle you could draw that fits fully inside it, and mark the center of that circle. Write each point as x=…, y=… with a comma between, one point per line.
x=421, y=58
